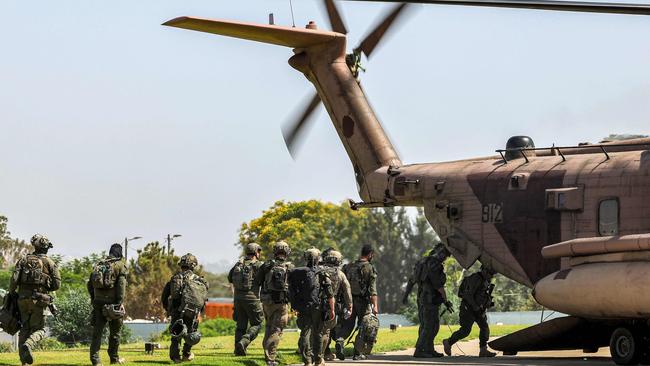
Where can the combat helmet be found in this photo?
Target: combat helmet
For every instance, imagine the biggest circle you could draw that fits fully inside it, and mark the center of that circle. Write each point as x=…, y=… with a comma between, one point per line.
x=178, y=329
x=333, y=257
x=41, y=242
x=281, y=248
x=252, y=248
x=311, y=256
x=488, y=271
x=188, y=260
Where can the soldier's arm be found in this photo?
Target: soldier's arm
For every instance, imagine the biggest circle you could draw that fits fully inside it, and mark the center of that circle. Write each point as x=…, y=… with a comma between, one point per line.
x=372, y=289
x=409, y=287
x=347, y=291
x=120, y=286
x=90, y=288
x=259, y=276
x=15, y=277
x=55, y=277
x=164, y=298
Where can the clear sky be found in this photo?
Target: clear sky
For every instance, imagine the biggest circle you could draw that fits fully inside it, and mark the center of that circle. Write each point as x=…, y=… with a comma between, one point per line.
x=112, y=125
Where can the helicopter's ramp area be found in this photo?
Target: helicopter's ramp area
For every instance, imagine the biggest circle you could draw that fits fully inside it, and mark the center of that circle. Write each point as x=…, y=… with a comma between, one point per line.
x=272, y=34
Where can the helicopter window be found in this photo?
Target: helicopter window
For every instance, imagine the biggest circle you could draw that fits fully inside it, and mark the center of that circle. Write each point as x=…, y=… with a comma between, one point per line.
x=608, y=217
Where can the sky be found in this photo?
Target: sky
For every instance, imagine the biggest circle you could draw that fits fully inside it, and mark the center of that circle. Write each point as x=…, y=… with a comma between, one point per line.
x=112, y=125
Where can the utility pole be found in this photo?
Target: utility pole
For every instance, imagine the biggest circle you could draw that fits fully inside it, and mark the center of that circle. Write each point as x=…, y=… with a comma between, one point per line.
x=126, y=247
x=171, y=237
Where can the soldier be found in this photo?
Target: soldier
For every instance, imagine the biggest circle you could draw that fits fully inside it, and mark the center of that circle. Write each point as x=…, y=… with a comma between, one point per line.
x=248, y=308
x=363, y=284
x=34, y=276
x=311, y=295
x=429, y=275
x=342, y=294
x=272, y=279
x=107, y=286
x=184, y=298
x=476, y=294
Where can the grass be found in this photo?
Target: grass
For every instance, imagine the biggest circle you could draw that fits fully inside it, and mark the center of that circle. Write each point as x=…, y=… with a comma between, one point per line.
x=218, y=350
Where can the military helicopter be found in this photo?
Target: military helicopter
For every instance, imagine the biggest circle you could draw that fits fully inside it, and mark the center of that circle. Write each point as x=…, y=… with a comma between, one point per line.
x=570, y=222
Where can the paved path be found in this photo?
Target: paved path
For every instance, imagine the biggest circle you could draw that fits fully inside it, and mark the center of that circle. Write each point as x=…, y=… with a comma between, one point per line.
x=550, y=358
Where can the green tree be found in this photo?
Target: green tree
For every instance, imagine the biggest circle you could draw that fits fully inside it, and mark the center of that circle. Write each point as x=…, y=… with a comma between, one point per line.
x=148, y=274
x=303, y=225
x=10, y=249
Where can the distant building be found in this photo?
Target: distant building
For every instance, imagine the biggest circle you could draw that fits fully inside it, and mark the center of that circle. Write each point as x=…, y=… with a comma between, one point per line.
x=219, y=307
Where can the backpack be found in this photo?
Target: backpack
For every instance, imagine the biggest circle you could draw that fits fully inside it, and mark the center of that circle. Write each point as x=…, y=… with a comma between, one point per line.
x=104, y=275
x=358, y=284
x=242, y=276
x=194, y=293
x=333, y=274
x=276, y=278
x=368, y=333
x=10, y=314
x=32, y=271
x=304, y=289
x=463, y=288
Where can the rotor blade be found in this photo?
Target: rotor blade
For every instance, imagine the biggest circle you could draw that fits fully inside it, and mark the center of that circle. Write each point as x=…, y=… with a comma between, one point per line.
x=372, y=40
x=578, y=6
x=336, y=21
x=293, y=132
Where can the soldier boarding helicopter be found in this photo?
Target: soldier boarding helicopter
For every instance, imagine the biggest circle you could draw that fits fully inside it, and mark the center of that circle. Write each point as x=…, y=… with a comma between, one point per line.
x=573, y=223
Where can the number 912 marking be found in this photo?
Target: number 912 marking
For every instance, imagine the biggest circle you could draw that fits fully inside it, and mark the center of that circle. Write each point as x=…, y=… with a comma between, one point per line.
x=492, y=213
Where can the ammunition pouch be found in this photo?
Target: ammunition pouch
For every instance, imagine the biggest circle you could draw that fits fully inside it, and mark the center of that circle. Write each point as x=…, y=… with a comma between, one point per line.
x=42, y=300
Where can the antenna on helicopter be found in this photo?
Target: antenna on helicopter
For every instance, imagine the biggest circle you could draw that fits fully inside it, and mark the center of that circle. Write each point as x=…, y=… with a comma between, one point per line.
x=294, y=130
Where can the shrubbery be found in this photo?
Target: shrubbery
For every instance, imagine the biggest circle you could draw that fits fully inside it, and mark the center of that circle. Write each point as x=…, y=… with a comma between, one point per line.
x=217, y=327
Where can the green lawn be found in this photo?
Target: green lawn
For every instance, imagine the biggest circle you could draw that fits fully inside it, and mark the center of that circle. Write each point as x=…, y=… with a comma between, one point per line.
x=218, y=350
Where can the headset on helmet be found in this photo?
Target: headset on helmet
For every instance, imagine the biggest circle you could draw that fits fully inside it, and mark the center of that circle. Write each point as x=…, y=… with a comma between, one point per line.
x=252, y=248
x=41, y=242
x=333, y=257
x=189, y=261
x=281, y=247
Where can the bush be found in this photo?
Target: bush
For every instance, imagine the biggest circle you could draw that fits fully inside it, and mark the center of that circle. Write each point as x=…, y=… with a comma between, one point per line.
x=72, y=325
x=6, y=347
x=50, y=344
x=217, y=327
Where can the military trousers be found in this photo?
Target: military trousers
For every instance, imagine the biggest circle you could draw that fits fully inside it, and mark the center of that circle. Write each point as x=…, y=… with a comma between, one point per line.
x=467, y=318
x=247, y=311
x=312, y=337
x=277, y=317
x=429, y=317
x=32, y=316
x=192, y=324
x=99, y=321
x=360, y=308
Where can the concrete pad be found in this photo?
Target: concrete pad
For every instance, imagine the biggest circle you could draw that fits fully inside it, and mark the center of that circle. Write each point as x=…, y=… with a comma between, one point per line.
x=464, y=353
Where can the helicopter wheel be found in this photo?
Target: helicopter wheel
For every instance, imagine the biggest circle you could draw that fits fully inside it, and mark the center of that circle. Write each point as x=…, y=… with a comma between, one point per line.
x=624, y=347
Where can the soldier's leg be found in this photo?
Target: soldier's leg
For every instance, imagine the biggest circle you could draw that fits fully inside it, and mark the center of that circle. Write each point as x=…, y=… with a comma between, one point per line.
x=362, y=324
x=420, y=344
x=98, y=322
x=255, y=316
x=241, y=320
x=174, y=346
x=36, y=330
x=484, y=329
x=304, y=341
x=276, y=319
x=328, y=328
x=114, y=329
x=25, y=330
x=319, y=334
x=429, y=326
x=192, y=324
x=466, y=320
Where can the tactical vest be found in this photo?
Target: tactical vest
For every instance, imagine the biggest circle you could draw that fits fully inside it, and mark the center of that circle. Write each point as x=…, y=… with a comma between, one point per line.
x=243, y=275
x=276, y=281
x=34, y=272
x=358, y=273
x=333, y=273
x=104, y=275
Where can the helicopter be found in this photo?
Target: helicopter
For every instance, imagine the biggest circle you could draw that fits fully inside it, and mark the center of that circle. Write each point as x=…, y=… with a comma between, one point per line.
x=570, y=222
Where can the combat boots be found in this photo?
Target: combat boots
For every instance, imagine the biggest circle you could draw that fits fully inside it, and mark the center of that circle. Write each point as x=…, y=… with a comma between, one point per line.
x=25, y=353
x=188, y=357
x=447, y=346
x=339, y=350
x=118, y=361
x=328, y=355
x=484, y=352
x=240, y=348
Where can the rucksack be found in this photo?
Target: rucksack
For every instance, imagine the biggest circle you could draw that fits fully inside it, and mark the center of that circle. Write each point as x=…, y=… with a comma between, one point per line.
x=32, y=271
x=194, y=293
x=463, y=288
x=10, y=314
x=368, y=333
x=333, y=274
x=276, y=278
x=242, y=276
x=304, y=289
x=104, y=275
x=358, y=284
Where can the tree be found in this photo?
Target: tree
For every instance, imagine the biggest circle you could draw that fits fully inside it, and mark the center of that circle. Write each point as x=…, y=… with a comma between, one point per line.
x=147, y=277
x=10, y=249
x=303, y=225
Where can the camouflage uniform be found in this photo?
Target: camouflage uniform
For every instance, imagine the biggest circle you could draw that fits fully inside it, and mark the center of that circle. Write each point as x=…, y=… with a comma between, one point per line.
x=101, y=299
x=429, y=275
x=247, y=304
x=274, y=303
x=362, y=276
x=172, y=300
x=475, y=291
x=32, y=288
x=342, y=294
x=312, y=324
